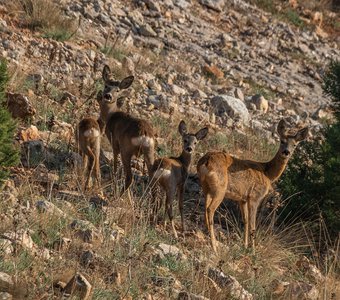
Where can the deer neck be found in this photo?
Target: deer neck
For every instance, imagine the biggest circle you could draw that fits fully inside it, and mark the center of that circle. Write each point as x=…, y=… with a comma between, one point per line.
x=185, y=159
x=275, y=167
x=106, y=111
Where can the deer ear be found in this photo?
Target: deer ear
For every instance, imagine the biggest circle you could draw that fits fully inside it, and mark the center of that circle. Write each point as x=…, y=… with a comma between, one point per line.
x=301, y=134
x=202, y=133
x=126, y=82
x=106, y=73
x=182, y=128
x=281, y=128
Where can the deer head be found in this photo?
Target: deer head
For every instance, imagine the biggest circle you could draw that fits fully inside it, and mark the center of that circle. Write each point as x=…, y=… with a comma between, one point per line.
x=289, y=141
x=113, y=89
x=190, y=140
x=112, y=97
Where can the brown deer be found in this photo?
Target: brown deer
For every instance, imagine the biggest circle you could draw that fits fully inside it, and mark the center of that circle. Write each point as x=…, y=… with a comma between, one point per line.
x=245, y=181
x=129, y=136
x=88, y=139
x=171, y=173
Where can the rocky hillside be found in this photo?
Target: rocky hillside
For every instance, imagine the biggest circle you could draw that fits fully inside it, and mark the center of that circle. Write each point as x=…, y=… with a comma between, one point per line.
x=231, y=65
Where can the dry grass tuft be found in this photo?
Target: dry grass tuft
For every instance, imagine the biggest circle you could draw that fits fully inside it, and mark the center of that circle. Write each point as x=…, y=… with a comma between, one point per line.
x=45, y=16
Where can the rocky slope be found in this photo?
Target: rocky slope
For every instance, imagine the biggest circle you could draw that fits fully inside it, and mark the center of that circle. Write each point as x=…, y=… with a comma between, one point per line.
x=227, y=64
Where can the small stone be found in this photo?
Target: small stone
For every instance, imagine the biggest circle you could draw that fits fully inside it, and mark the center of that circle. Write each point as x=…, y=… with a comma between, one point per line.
x=216, y=5
x=239, y=94
x=61, y=244
x=19, y=106
x=146, y=30
x=29, y=134
x=213, y=71
x=233, y=107
x=79, y=287
x=260, y=102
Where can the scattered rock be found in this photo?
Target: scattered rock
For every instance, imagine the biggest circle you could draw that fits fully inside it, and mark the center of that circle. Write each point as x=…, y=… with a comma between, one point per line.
x=216, y=5
x=19, y=106
x=29, y=134
x=310, y=270
x=61, y=244
x=230, y=284
x=183, y=295
x=33, y=153
x=147, y=30
x=260, y=102
x=79, y=287
x=213, y=71
x=44, y=206
x=239, y=94
x=233, y=107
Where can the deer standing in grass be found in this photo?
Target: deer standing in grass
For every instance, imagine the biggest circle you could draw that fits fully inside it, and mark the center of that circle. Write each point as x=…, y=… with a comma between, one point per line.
x=88, y=139
x=245, y=181
x=129, y=136
x=171, y=173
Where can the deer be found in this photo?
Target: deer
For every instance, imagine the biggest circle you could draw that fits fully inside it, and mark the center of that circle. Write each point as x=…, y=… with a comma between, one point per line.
x=88, y=140
x=245, y=181
x=171, y=173
x=129, y=136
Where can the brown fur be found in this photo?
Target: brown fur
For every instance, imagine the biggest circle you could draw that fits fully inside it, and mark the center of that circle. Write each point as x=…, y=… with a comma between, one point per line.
x=245, y=181
x=89, y=145
x=122, y=130
x=171, y=173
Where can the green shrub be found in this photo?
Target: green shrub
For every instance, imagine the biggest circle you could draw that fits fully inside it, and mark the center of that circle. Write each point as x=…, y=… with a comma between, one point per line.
x=8, y=154
x=313, y=174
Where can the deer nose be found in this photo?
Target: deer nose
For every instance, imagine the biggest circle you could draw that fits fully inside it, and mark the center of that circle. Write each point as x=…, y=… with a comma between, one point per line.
x=108, y=97
x=189, y=149
x=286, y=152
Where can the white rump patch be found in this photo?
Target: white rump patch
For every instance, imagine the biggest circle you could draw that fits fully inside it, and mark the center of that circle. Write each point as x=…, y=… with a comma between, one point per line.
x=143, y=141
x=203, y=170
x=92, y=133
x=162, y=173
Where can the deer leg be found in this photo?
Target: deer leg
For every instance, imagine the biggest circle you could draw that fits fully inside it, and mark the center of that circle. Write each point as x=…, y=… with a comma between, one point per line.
x=156, y=202
x=180, y=204
x=245, y=217
x=97, y=169
x=85, y=167
x=91, y=164
x=126, y=158
x=170, y=195
x=148, y=158
x=252, y=222
x=208, y=200
x=115, y=160
x=214, y=204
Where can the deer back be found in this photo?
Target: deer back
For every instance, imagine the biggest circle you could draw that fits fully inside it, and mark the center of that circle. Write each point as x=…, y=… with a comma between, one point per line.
x=129, y=133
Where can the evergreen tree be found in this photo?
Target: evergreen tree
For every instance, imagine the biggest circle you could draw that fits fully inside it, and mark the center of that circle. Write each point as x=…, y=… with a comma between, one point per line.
x=8, y=154
x=314, y=171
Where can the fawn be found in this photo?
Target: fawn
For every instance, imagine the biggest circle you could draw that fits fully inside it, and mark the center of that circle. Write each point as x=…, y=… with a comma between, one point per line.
x=88, y=139
x=129, y=136
x=245, y=181
x=171, y=173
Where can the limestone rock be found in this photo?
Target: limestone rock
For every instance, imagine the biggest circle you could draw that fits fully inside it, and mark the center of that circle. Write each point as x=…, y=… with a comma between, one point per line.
x=230, y=284
x=260, y=102
x=19, y=106
x=233, y=107
x=79, y=287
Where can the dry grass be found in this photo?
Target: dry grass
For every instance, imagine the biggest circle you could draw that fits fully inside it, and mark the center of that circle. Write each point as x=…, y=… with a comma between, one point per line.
x=131, y=254
x=45, y=16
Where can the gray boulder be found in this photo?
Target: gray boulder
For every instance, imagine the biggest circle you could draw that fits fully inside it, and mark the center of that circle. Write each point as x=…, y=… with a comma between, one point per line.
x=233, y=107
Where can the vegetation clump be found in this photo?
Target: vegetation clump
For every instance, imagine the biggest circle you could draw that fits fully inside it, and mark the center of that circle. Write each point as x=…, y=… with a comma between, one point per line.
x=8, y=154
x=313, y=173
